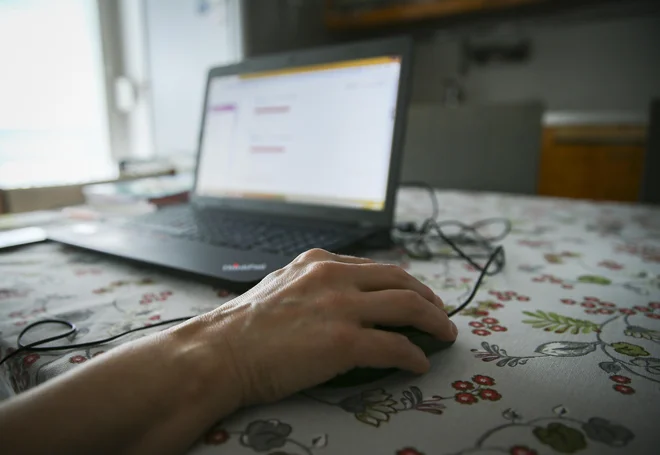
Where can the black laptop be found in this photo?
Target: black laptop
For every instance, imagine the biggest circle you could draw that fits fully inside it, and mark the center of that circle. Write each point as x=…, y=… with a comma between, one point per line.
x=296, y=151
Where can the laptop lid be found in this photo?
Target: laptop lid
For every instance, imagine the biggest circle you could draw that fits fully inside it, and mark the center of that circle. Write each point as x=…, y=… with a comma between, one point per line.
x=316, y=133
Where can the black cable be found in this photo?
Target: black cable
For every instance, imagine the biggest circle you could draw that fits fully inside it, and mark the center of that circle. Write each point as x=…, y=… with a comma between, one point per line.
x=34, y=346
x=498, y=250
x=434, y=200
x=468, y=235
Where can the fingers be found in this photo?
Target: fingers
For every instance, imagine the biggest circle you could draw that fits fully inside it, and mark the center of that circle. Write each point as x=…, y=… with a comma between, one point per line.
x=379, y=349
x=380, y=277
x=396, y=308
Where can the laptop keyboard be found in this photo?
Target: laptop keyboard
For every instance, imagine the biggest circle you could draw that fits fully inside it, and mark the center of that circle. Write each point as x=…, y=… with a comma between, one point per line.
x=243, y=233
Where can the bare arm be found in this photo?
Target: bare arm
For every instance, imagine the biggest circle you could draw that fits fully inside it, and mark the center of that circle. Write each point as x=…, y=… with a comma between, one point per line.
x=302, y=325
x=155, y=395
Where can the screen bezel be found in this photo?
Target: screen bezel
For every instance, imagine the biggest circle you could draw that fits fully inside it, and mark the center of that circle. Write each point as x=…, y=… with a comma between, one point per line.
x=399, y=47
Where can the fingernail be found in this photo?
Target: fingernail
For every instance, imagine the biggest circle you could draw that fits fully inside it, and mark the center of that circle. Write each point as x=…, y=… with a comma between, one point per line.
x=454, y=329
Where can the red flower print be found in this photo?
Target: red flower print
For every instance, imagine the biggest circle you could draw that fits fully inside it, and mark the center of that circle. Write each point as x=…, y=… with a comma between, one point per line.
x=620, y=379
x=15, y=314
x=155, y=317
x=653, y=315
x=567, y=286
x=29, y=359
x=483, y=380
x=588, y=305
x=627, y=311
x=591, y=311
x=522, y=298
x=20, y=323
x=462, y=385
x=476, y=324
x=466, y=398
x=481, y=332
x=498, y=328
x=504, y=298
x=611, y=265
x=522, y=450
x=489, y=394
x=495, y=306
x=607, y=304
x=605, y=311
x=408, y=451
x=592, y=299
x=641, y=308
x=624, y=389
x=77, y=359
x=568, y=301
x=216, y=437
x=537, y=280
x=655, y=305
x=494, y=292
x=490, y=320
x=481, y=313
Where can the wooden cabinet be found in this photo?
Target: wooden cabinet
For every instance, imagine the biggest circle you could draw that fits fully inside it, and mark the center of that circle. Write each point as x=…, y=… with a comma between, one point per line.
x=593, y=162
x=343, y=14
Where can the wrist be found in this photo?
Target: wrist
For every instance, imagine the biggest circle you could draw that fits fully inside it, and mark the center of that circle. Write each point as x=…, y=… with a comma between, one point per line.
x=210, y=379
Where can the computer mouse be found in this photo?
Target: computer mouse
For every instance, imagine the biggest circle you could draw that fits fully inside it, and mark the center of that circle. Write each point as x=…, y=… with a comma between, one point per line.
x=358, y=376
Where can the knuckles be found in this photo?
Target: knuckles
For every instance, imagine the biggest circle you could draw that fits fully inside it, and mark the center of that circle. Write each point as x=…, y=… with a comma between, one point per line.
x=313, y=255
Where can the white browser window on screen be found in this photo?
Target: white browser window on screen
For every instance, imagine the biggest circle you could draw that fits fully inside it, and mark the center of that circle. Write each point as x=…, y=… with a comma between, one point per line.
x=319, y=134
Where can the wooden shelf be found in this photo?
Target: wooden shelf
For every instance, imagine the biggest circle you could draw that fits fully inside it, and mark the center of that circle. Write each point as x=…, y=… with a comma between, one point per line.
x=402, y=13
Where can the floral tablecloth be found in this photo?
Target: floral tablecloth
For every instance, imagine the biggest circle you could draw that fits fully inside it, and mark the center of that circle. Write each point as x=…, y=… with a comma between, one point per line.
x=560, y=353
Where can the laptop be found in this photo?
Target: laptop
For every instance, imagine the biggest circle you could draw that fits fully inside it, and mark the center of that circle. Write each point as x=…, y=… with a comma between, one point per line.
x=296, y=151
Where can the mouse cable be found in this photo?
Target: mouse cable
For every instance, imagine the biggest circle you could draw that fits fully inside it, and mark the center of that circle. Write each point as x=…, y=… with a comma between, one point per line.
x=468, y=235
x=37, y=346
x=499, y=251
x=435, y=206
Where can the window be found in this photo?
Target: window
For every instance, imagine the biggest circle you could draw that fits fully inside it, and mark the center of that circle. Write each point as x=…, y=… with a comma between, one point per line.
x=53, y=110
x=66, y=116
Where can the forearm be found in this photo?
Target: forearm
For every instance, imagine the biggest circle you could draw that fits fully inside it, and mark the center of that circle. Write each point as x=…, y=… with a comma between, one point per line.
x=155, y=395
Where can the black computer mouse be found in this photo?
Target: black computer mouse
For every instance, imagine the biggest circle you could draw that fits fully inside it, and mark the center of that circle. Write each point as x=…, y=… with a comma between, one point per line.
x=358, y=376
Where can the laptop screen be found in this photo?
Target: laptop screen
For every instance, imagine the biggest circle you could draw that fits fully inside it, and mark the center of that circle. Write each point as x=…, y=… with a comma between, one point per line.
x=318, y=134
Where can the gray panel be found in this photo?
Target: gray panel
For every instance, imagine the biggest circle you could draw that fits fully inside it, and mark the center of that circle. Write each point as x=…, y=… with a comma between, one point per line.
x=486, y=148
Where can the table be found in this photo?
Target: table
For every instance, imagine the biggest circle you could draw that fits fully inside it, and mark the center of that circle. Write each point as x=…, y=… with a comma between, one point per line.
x=560, y=353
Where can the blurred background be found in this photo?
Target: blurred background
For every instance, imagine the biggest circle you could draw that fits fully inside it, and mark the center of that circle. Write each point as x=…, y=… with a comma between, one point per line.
x=549, y=97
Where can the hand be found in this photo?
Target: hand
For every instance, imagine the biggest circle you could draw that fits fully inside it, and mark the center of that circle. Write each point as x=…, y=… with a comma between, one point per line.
x=313, y=319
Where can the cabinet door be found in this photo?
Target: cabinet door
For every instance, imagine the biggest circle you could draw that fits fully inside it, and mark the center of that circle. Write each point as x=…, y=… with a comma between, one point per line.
x=600, y=163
